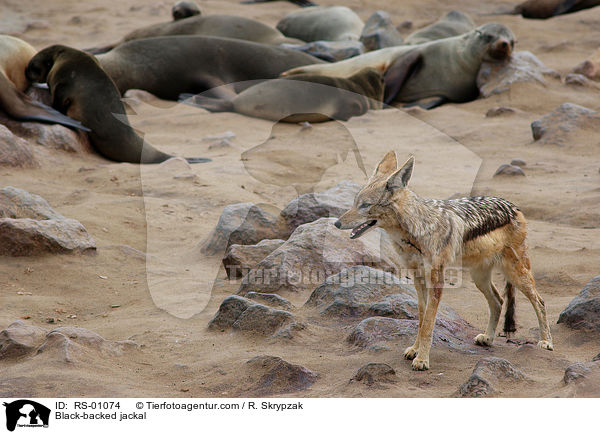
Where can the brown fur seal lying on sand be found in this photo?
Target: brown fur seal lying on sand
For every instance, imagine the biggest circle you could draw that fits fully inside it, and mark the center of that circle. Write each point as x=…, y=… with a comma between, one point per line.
x=81, y=89
x=14, y=57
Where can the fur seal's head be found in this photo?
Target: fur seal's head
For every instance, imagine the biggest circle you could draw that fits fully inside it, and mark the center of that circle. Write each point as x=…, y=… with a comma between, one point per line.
x=184, y=9
x=494, y=41
x=40, y=65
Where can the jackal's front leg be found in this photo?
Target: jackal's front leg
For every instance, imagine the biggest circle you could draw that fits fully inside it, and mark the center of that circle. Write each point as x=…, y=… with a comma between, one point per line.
x=411, y=352
x=425, y=335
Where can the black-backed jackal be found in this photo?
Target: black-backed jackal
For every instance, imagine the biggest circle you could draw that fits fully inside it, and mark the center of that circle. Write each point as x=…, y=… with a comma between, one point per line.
x=429, y=234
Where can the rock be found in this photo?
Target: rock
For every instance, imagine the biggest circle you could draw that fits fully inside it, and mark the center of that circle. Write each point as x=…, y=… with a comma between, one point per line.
x=523, y=66
x=69, y=344
x=581, y=81
x=28, y=226
x=240, y=259
x=19, y=339
x=509, y=170
x=581, y=371
x=583, y=312
x=275, y=375
x=358, y=291
x=489, y=374
x=596, y=358
x=241, y=223
x=52, y=136
x=14, y=151
x=272, y=300
x=590, y=67
x=309, y=207
x=331, y=51
x=379, y=32
x=499, y=111
x=518, y=162
x=313, y=252
x=455, y=334
x=559, y=126
x=239, y=313
x=17, y=203
x=373, y=373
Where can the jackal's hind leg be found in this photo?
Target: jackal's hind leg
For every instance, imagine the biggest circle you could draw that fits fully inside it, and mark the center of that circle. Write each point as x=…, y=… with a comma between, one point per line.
x=483, y=280
x=411, y=352
x=517, y=270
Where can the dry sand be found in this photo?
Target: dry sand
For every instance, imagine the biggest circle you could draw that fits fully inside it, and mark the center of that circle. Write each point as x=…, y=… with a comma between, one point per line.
x=458, y=149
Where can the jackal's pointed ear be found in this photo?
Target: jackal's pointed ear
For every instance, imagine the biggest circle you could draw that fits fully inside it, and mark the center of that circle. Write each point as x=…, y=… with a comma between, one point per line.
x=400, y=178
x=387, y=165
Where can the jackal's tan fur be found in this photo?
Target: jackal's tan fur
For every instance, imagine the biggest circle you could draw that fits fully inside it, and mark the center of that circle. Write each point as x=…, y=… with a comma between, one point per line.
x=478, y=233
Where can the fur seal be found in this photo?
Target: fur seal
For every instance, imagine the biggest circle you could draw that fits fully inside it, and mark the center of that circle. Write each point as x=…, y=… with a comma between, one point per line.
x=80, y=88
x=322, y=23
x=184, y=9
x=301, y=98
x=14, y=57
x=225, y=26
x=445, y=68
x=454, y=23
x=549, y=8
x=170, y=66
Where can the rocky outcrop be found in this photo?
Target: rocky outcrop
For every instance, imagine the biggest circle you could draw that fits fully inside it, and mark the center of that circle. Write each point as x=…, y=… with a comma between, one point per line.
x=560, y=126
x=489, y=376
x=29, y=226
x=242, y=314
x=314, y=252
x=240, y=259
x=583, y=312
x=272, y=375
x=523, y=66
x=373, y=373
x=14, y=151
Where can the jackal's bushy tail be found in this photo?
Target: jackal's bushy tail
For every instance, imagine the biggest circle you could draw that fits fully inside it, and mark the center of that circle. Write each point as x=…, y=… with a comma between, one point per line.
x=509, y=316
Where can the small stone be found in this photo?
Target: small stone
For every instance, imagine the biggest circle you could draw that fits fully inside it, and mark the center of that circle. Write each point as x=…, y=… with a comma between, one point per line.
x=275, y=375
x=499, y=111
x=488, y=376
x=509, y=170
x=373, y=373
x=518, y=162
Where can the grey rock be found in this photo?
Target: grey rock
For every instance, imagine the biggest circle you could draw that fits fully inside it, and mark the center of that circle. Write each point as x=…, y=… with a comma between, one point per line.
x=240, y=259
x=52, y=136
x=560, y=126
x=373, y=373
x=488, y=376
x=29, y=226
x=273, y=375
x=272, y=300
x=523, y=66
x=455, y=334
x=309, y=207
x=239, y=313
x=580, y=81
x=241, y=223
x=509, y=170
x=583, y=312
x=518, y=162
x=20, y=339
x=14, y=151
x=313, y=252
x=379, y=32
x=360, y=291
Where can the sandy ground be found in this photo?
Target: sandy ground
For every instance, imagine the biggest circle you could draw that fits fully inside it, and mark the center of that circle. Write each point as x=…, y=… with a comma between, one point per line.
x=457, y=149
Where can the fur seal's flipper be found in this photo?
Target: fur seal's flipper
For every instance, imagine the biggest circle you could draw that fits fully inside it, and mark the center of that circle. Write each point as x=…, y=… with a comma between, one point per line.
x=399, y=72
x=301, y=3
x=23, y=108
x=196, y=160
x=428, y=105
x=210, y=104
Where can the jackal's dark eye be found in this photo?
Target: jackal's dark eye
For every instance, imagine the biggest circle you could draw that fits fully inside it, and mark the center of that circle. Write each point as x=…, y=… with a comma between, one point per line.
x=364, y=205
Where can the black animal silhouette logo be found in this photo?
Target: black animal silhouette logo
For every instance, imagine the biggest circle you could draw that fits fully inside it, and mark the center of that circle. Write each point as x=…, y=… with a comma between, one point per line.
x=25, y=412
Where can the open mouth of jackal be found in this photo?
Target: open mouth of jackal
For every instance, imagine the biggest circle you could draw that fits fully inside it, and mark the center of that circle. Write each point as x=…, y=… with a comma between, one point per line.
x=362, y=228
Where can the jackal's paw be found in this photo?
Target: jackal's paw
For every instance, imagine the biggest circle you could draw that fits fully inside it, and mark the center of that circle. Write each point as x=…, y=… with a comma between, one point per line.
x=410, y=353
x=484, y=340
x=420, y=365
x=546, y=345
